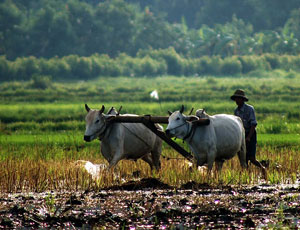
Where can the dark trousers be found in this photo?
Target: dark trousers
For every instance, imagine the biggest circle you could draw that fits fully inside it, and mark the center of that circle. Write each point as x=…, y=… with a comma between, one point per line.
x=251, y=146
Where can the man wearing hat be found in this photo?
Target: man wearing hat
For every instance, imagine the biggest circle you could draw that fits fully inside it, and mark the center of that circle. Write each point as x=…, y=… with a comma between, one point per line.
x=247, y=114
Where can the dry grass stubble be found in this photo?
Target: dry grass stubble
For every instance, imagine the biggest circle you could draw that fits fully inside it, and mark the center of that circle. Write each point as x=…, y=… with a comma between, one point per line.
x=42, y=175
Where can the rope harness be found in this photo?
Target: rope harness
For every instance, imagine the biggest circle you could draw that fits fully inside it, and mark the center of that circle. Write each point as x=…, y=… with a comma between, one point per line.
x=102, y=134
x=190, y=133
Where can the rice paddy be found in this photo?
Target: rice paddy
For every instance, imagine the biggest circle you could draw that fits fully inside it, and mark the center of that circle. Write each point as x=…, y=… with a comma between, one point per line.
x=42, y=139
x=41, y=147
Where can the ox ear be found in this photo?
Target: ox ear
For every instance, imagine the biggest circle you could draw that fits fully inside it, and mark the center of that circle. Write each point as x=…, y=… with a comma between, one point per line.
x=102, y=109
x=170, y=113
x=87, y=108
x=191, y=118
x=182, y=109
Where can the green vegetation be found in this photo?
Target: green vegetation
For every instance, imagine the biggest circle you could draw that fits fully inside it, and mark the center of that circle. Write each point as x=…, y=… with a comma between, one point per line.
x=194, y=28
x=57, y=55
x=146, y=64
x=277, y=86
x=41, y=129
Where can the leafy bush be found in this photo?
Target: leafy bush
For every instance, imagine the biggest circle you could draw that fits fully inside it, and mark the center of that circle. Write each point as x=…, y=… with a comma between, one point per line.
x=41, y=82
x=173, y=60
x=190, y=67
x=274, y=60
x=4, y=68
x=208, y=65
x=130, y=65
x=249, y=63
x=231, y=66
x=291, y=74
x=146, y=63
x=286, y=62
x=151, y=67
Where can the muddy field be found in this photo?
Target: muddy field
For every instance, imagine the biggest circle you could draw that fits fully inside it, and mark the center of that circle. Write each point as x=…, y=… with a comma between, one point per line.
x=150, y=204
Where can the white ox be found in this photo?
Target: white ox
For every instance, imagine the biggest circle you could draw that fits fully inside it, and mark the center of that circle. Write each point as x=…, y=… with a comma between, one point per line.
x=122, y=140
x=222, y=139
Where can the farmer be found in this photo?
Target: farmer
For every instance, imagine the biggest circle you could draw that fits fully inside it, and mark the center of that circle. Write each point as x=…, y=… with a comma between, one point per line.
x=247, y=114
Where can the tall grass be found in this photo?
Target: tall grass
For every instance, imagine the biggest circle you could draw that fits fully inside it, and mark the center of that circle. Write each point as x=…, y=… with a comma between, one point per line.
x=41, y=174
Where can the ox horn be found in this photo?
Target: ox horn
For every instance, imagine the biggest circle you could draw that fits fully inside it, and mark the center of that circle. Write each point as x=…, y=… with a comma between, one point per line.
x=109, y=111
x=87, y=108
x=182, y=109
x=119, y=111
x=102, y=109
x=191, y=111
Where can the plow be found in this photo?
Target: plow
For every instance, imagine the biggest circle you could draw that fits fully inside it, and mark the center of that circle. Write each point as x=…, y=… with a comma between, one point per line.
x=150, y=121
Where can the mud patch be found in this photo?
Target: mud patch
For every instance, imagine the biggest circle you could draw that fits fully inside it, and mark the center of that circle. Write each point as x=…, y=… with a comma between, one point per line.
x=143, y=184
x=150, y=204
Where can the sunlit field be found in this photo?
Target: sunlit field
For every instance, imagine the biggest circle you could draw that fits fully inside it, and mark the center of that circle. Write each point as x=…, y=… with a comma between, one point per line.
x=41, y=131
x=38, y=162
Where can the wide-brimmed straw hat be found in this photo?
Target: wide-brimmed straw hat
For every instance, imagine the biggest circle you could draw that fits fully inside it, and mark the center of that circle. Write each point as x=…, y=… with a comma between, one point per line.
x=239, y=93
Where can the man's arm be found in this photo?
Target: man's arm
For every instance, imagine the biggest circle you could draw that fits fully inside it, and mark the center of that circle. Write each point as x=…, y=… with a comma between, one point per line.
x=253, y=123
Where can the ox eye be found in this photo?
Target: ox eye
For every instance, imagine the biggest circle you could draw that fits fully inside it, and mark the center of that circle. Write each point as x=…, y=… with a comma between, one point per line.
x=97, y=121
x=178, y=118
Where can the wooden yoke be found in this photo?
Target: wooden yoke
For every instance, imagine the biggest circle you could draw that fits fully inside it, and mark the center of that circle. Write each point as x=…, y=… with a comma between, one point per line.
x=149, y=121
x=153, y=119
x=139, y=119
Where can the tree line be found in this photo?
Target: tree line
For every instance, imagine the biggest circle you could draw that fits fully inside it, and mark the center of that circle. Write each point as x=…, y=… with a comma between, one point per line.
x=194, y=28
x=149, y=63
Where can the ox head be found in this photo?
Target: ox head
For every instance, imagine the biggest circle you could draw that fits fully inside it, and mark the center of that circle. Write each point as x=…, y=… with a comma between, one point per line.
x=95, y=123
x=112, y=111
x=178, y=123
x=201, y=113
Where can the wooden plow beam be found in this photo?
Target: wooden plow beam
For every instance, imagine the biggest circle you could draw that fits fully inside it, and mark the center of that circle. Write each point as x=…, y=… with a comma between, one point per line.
x=149, y=122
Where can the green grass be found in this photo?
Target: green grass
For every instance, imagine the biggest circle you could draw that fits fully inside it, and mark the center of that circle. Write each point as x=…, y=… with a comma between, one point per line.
x=50, y=117
x=57, y=143
x=279, y=140
x=265, y=86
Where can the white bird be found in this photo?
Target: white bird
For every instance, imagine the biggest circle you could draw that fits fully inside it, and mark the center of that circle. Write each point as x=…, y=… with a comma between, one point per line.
x=93, y=169
x=154, y=94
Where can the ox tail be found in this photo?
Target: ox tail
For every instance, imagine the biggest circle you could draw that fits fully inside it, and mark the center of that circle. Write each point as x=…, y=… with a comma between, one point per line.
x=242, y=153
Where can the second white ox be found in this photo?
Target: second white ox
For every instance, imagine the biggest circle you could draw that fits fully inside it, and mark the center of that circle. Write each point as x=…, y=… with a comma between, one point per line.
x=122, y=140
x=222, y=139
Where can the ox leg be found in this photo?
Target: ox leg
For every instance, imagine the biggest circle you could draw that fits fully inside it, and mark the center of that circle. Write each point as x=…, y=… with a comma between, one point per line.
x=147, y=158
x=219, y=165
x=116, y=158
x=211, y=157
x=106, y=152
x=155, y=154
x=242, y=155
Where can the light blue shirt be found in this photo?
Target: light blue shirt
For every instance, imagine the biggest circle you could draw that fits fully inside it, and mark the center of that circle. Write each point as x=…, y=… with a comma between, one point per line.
x=247, y=114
